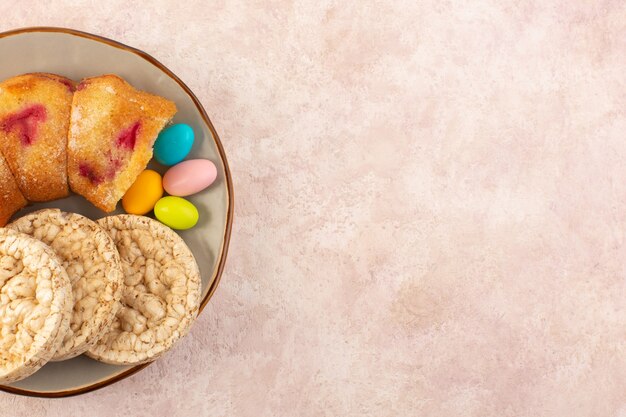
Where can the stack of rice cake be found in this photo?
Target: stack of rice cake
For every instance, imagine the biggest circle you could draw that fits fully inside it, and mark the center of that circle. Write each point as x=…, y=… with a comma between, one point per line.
x=121, y=290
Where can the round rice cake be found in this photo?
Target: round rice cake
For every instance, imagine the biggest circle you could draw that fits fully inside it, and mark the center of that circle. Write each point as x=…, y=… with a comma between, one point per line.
x=35, y=305
x=160, y=294
x=93, y=265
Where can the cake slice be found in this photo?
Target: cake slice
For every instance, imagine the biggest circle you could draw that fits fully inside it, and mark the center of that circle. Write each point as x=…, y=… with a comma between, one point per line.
x=70, y=84
x=34, y=121
x=112, y=130
x=11, y=199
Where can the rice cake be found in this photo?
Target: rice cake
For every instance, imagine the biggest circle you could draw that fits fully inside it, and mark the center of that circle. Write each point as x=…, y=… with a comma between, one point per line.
x=160, y=294
x=93, y=265
x=35, y=305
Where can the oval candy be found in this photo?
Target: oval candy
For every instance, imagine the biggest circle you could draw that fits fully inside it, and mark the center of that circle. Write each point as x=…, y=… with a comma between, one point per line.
x=176, y=213
x=173, y=144
x=189, y=177
x=144, y=193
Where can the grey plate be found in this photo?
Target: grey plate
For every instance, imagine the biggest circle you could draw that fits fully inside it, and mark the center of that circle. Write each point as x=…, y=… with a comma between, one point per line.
x=77, y=55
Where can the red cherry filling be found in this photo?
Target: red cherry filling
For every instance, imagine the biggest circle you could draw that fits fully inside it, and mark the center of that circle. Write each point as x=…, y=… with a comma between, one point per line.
x=128, y=137
x=26, y=121
x=125, y=141
x=87, y=171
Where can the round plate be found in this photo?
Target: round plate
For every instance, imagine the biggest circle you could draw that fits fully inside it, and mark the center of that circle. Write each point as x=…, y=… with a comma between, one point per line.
x=78, y=55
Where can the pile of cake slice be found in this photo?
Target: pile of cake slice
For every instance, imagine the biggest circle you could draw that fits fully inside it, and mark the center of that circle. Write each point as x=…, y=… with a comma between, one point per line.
x=94, y=137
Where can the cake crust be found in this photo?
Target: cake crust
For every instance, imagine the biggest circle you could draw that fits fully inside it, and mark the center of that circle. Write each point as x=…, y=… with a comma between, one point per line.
x=11, y=199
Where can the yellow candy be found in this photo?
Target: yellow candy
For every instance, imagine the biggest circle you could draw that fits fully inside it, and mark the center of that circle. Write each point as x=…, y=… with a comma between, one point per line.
x=176, y=213
x=144, y=193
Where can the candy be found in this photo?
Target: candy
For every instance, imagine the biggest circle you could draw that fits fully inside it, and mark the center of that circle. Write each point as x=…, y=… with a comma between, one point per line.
x=173, y=144
x=144, y=193
x=189, y=177
x=176, y=213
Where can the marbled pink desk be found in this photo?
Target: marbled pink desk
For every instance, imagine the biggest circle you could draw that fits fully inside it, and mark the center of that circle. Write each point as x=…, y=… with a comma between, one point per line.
x=431, y=207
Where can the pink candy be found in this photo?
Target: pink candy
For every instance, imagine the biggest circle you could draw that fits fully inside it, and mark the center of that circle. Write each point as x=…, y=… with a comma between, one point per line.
x=189, y=177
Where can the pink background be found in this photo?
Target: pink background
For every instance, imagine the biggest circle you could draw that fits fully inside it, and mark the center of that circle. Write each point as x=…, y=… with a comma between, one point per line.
x=431, y=207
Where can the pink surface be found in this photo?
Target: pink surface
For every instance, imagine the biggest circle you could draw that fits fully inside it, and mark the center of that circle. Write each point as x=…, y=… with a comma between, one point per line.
x=431, y=207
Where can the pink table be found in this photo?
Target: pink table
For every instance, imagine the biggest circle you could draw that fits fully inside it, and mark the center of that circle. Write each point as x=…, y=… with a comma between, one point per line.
x=431, y=207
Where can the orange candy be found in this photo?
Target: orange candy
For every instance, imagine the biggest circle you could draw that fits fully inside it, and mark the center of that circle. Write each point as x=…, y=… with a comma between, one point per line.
x=144, y=193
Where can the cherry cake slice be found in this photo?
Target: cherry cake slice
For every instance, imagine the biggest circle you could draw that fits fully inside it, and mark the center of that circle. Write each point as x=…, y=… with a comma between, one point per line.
x=11, y=199
x=34, y=121
x=112, y=131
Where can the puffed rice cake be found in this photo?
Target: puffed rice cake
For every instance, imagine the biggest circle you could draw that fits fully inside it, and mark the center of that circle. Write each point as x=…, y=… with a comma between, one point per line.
x=160, y=295
x=35, y=305
x=93, y=265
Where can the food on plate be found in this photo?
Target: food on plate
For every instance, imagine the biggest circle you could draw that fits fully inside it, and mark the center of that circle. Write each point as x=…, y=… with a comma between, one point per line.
x=113, y=128
x=189, y=177
x=174, y=144
x=34, y=120
x=93, y=266
x=176, y=213
x=144, y=193
x=11, y=199
x=35, y=305
x=160, y=295
x=122, y=290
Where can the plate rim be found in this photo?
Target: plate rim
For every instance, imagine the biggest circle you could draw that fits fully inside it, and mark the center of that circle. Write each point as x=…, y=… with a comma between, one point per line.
x=229, y=186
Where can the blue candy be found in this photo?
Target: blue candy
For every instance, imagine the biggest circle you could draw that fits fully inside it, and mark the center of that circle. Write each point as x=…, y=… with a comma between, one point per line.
x=173, y=144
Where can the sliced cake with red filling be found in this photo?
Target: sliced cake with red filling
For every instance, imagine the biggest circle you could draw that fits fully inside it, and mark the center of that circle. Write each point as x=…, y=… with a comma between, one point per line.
x=112, y=130
x=11, y=199
x=34, y=121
